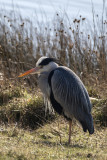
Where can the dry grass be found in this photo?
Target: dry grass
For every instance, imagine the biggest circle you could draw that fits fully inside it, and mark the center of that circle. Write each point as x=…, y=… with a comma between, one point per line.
x=44, y=143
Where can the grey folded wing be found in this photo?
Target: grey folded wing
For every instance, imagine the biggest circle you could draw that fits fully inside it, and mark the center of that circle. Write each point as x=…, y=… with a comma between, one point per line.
x=70, y=93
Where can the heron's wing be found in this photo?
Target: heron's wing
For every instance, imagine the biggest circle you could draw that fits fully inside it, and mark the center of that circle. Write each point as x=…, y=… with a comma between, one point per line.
x=69, y=92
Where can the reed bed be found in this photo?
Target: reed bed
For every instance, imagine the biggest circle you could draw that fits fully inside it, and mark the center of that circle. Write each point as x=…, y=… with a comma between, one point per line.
x=75, y=42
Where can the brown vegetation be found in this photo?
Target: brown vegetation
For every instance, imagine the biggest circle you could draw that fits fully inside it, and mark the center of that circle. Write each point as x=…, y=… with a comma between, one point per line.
x=78, y=45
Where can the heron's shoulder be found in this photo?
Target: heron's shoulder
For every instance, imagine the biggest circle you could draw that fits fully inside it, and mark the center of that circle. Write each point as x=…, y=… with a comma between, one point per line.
x=65, y=71
x=56, y=74
x=66, y=75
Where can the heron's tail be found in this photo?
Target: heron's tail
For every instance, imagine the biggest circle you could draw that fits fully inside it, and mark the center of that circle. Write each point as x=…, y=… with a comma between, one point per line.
x=87, y=124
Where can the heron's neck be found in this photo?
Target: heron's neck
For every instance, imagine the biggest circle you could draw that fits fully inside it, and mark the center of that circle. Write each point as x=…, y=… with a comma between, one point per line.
x=52, y=67
x=49, y=68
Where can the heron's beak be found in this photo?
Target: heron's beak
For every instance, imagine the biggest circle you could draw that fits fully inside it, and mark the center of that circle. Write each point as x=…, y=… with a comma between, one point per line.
x=31, y=71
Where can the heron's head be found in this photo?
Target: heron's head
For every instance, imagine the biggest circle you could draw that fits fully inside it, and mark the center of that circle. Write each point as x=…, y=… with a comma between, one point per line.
x=44, y=64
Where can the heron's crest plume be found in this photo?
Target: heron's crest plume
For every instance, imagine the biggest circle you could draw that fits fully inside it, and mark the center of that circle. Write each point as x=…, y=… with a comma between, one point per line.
x=46, y=60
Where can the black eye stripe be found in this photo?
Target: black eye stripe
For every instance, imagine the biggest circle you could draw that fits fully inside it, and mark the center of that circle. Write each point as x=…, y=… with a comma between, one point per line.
x=47, y=61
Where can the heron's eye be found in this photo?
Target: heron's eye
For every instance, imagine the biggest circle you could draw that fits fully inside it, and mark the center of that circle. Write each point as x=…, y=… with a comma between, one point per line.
x=40, y=66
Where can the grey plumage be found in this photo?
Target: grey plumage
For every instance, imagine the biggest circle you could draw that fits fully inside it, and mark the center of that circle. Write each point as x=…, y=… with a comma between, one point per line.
x=44, y=86
x=70, y=92
x=65, y=91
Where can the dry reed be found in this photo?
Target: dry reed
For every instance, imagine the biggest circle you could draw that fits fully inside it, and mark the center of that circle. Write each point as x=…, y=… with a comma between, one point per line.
x=76, y=43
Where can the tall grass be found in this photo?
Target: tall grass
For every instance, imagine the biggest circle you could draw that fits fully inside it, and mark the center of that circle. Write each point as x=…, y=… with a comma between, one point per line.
x=75, y=42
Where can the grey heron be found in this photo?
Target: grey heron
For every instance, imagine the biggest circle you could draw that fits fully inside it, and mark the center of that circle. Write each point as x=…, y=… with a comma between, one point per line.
x=65, y=91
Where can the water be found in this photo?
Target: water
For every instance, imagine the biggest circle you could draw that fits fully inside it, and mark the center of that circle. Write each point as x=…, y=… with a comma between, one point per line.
x=73, y=8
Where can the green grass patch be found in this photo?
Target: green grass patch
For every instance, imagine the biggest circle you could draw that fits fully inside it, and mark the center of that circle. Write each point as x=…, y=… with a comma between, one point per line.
x=93, y=92
x=100, y=111
x=27, y=109
x=8, y=93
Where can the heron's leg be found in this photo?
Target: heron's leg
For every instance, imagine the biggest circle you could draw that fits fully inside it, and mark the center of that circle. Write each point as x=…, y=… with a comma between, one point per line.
x=70, y=124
